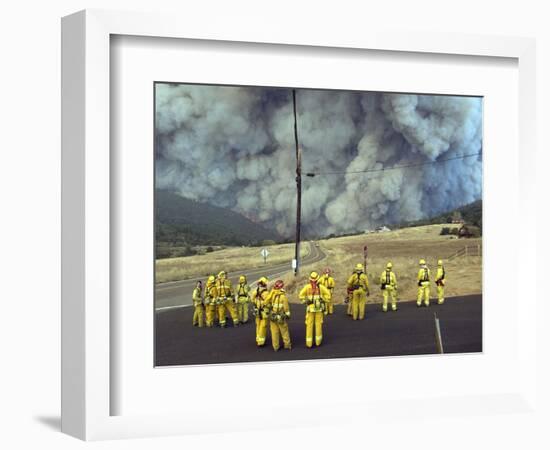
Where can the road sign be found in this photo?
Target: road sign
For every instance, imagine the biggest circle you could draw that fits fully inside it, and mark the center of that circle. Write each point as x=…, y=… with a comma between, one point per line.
x=265, y=254
x=294, y=265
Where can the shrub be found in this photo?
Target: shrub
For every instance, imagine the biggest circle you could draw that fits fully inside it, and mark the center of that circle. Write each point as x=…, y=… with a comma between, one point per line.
x=267, y=242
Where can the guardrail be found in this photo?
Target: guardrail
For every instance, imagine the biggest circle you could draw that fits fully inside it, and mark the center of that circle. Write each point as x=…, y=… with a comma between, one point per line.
x=468, y=250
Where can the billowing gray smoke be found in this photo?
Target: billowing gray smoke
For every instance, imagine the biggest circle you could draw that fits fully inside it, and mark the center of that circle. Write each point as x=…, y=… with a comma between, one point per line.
x=234, y=147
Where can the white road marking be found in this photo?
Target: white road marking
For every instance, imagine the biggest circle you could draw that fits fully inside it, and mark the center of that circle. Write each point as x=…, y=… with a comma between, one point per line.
x=171, y=307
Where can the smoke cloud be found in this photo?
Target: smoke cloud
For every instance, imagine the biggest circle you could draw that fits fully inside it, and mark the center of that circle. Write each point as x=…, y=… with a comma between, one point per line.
x=234, y=147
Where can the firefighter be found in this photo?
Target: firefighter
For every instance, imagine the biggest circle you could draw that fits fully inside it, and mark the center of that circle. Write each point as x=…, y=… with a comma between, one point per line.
x=198, y=315
x=316, y=297
x=225, y=302
x=388, y=284
x=210, y=298
x=328, y=281
x=440, y=282
x=358, y=290
x=348, y=301
x=260, y=309
x=279, y=316
x=423, y=284
x=242, y=298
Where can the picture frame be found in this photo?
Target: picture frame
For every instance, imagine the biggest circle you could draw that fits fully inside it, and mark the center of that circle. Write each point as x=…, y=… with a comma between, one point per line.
x=88, y=318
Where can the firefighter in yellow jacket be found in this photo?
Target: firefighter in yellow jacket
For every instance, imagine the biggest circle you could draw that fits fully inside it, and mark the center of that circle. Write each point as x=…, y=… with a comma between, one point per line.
x=388, y=284
x=328, y=281
x=279, y=316
x=316, y=297
x=440, y=282
x=358, y=289
x=198, y=315
x=260, y=309
x=224, y=289
x=210, y=296
x=242, y=298
x=423, y=279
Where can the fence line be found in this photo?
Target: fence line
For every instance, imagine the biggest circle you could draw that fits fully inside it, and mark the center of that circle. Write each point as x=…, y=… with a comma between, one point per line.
x=468, y=250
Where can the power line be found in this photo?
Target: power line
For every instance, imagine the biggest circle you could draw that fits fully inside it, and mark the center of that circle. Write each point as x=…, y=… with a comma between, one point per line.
x=404, y=166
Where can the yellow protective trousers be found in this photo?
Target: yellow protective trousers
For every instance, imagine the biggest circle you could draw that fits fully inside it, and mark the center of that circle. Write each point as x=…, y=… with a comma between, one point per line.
x=261, y=331
x=314, y=320
x=198, y=316
x=389, y=292
x=358, y=301
x=242, y=311
x=280, y=330
x=350, y=308
x=210, y=315
x=230, y=307
x=330, y=306
x=440, y=294
x=423, y=293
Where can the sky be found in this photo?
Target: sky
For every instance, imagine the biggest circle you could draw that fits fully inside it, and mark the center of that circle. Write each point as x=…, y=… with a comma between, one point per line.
x=234, y=147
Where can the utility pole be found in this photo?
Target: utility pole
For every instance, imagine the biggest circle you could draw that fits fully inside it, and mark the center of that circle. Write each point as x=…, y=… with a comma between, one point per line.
x=298, y=187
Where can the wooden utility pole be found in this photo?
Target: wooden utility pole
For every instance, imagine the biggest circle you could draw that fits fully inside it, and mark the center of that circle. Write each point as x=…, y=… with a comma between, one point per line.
x=298, y=187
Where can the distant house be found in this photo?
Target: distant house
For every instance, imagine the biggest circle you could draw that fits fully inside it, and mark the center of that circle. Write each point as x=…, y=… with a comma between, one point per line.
x=457, y=217
x=382, y=229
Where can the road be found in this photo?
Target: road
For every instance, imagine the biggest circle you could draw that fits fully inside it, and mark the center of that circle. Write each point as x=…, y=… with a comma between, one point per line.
x=408, y=331
x=179, y=293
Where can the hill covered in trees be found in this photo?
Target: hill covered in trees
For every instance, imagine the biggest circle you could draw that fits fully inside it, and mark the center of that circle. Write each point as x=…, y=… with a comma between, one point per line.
x=182, y=225
x=471, y=214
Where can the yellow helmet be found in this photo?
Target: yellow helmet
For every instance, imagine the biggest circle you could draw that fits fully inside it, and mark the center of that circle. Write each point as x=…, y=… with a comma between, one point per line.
x=359, y=268
x=439, y=262
x=389, y=265
x=313, y=276
x=263, y=280
x=242, y=279
x=211, y=279
x=221, y=274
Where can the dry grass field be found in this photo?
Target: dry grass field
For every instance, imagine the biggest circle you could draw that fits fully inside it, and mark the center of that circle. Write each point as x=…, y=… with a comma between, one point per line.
x=231, y=259
x=403, y=248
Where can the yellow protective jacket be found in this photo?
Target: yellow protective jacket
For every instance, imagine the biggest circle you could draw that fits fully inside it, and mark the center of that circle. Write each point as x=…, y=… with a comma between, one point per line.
x=358, y=281
x=387, y=278
x=224, y=289
x=440, y=276
x=280, y=309
x=328, y=282
x=423, y=275
x=315, y=298
x=261, y=302
x=210, y=294
x=197, y=297
x=242, y=291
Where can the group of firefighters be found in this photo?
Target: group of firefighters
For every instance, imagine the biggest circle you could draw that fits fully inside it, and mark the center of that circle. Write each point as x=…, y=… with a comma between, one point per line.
x=271, y=310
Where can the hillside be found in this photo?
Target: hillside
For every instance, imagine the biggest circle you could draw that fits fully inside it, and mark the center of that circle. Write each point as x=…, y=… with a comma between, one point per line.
x=182, y=224
x=403, y=247
x=470, y=213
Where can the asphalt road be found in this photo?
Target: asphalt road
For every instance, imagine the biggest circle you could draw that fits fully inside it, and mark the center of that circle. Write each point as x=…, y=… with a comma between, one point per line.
x=179, y=293
x=408, y=331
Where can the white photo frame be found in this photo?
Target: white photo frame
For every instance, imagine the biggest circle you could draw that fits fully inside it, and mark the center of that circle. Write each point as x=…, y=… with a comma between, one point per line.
x=88, y=386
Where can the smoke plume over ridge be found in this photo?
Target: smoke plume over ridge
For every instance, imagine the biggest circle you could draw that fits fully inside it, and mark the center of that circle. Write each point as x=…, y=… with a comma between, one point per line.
x=234, y=147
